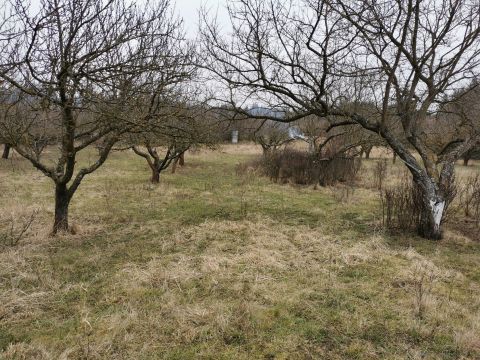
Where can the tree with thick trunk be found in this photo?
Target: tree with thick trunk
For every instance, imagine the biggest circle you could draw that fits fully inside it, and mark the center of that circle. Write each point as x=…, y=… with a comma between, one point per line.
x=75, y=67
x=390, y=67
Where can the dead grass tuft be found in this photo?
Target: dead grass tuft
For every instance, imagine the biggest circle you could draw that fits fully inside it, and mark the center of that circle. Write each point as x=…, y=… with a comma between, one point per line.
x=214, y=263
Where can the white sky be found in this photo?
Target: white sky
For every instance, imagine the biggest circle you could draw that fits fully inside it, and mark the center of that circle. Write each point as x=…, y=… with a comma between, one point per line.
x=188, y=10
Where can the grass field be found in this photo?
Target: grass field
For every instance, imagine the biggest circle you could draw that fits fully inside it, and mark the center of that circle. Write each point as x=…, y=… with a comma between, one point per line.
x=214, y=263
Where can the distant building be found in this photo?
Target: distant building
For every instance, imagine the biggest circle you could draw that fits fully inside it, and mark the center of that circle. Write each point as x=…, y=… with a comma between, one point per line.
x=293, y=131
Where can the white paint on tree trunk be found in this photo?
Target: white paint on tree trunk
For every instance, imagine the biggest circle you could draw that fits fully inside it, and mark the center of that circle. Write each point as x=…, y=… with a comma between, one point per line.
x=437, y=211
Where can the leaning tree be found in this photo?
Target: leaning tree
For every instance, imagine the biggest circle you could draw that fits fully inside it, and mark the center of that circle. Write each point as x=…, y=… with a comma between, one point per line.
x=323, y=57
x=70, y=60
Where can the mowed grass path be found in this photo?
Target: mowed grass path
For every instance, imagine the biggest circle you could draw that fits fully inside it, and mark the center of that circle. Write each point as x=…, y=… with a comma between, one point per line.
x=216, y=263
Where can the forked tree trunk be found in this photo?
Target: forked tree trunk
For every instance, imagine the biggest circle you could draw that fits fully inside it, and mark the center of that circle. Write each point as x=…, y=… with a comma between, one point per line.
x=6, y=151
x=367, y=153
x=62, y=201
x=432, y=205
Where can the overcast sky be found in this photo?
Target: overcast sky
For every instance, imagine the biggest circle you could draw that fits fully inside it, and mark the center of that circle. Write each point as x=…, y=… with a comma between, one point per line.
x=188, y=10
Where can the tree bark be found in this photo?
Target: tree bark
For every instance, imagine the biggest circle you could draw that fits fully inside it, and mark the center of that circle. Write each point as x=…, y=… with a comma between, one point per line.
x=181, y=160
x=432, y=204
x=394, y=157
x=155, y=179
x=266, y=150
x=465, y=161
x=6, y=151
x=62, y=202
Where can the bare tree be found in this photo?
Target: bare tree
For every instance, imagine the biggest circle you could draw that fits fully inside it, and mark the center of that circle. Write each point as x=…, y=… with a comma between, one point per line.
x=327, y=58
x=4, y=113
x=171, y=134
x=169, y=114
x=456, y=119
x=165, y=139
x=72, y=60
x=272, y=136
x=473, y=154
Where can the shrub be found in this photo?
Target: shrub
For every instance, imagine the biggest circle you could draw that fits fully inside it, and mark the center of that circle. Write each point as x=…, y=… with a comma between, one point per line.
x=16, y=228
x=402, y=204
x=343, y=194
x=380, y=173
x=299, y=167
x=469, y=199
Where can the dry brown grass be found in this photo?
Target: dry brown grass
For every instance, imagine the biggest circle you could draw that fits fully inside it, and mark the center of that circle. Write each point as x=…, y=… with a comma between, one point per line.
x=183, y=270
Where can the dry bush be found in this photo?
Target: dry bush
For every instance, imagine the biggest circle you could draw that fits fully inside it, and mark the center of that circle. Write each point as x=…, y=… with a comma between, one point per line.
x=402, y=205
x=300, y=167
x=16, y=228
x=469, y=199
x=423, y=280
x=400, y=208
x=343, y=194
x=380, y=172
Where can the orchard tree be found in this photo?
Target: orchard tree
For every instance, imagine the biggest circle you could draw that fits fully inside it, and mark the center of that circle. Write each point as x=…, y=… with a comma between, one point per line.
x=70, y=60
x=5, y=109
x=473, y=154
x=168, y=114
x=323, y=57
x=458, y=118
x=173, y=130
x=176, y=128
x=272, y=135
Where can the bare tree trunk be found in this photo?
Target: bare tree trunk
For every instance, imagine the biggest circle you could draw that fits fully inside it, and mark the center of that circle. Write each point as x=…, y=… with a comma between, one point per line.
x=155, y=179
x=180, y=160
x=266, y=151
x=62, y=201
x=432, y=209
x=367, y=152
x=466, y=160
x=394, y=157
x=6, y=151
